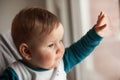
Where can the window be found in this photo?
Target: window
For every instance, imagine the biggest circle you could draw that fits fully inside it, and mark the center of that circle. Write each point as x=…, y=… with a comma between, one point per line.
x=106, y=57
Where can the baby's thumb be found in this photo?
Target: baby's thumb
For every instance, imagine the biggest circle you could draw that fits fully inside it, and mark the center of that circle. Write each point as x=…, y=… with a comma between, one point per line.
x=102, y=27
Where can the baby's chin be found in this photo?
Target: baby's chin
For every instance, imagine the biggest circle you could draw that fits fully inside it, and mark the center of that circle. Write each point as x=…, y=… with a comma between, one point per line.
x=56, y=64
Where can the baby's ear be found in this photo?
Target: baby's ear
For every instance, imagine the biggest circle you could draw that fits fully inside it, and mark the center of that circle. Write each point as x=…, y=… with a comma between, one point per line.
x=25, y=52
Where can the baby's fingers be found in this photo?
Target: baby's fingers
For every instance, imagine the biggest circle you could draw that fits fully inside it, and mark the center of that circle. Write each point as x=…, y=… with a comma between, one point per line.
x=100, y=19
x=100, y=14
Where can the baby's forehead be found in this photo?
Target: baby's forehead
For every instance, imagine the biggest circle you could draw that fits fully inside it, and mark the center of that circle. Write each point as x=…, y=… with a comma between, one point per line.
x=54, y=35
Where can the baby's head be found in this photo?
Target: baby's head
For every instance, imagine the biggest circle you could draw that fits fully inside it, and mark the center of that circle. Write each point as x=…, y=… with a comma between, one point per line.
x=37, y=34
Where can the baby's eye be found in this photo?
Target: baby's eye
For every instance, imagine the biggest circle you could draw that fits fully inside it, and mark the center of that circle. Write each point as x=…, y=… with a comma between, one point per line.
x=51, y=45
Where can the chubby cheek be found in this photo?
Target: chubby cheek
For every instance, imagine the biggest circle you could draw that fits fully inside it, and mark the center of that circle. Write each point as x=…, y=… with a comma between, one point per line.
x=45, y=59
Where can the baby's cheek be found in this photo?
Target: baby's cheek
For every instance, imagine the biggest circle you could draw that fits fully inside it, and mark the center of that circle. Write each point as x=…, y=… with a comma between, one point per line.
x=48, y=60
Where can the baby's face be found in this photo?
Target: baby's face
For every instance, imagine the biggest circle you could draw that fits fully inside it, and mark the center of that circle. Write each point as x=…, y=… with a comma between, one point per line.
x=50, y=51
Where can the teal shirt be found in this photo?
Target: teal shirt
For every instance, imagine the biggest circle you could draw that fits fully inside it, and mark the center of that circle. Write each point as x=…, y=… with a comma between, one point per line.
x=74, y=54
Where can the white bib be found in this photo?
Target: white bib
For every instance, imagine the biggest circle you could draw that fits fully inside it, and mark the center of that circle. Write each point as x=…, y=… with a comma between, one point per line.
x=25, y=73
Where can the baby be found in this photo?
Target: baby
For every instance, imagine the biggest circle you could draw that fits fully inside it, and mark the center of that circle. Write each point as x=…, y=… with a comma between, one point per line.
x=38, y=34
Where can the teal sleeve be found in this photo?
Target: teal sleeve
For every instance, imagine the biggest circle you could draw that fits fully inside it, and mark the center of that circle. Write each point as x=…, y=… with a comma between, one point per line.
x=9, y=74
x=81, y=49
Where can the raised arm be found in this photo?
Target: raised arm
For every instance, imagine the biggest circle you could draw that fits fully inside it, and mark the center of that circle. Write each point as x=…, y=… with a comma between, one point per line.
x=83, y=47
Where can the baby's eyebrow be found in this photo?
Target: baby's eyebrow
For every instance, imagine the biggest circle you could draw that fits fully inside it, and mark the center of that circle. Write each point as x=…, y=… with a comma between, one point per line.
x=55, y=40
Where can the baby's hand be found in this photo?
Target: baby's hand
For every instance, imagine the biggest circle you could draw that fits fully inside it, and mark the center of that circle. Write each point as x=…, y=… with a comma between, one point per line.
x=102, y=27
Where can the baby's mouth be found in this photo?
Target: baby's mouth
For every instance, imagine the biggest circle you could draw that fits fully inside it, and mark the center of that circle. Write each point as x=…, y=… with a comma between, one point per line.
x=58, y=58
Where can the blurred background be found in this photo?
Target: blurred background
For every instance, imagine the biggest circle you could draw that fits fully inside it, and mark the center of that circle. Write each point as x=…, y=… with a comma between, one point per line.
x=77, y=17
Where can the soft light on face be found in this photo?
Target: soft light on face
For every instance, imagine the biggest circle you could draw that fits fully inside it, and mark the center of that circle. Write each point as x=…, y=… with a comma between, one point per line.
x=50, y=50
